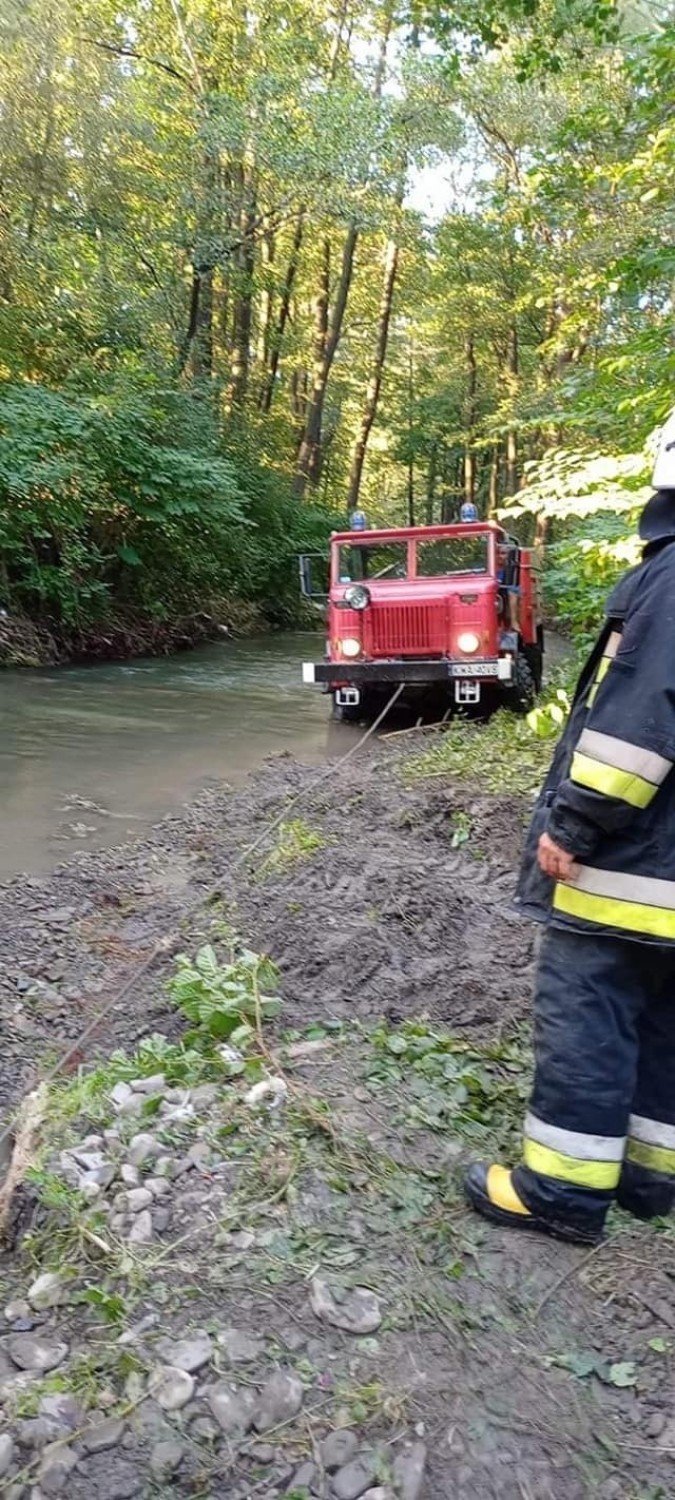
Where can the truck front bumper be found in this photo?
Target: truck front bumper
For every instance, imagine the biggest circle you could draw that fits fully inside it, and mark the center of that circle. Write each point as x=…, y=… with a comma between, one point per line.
x=366, y=673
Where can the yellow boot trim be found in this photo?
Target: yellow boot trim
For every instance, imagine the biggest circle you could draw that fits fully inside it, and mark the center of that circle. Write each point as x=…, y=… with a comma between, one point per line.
x=502, y=1193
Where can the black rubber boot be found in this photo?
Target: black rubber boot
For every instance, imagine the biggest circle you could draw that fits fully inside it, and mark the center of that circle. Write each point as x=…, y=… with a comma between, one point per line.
x=498, y=1201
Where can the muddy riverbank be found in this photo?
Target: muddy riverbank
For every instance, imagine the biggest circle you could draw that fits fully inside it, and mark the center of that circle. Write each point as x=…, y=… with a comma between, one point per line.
x=383, y=916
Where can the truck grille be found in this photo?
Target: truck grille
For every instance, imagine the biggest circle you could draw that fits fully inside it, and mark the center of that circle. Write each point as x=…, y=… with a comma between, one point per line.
x=406, y=630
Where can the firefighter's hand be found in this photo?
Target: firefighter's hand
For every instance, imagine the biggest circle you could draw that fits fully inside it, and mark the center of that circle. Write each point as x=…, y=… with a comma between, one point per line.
x=555, y=861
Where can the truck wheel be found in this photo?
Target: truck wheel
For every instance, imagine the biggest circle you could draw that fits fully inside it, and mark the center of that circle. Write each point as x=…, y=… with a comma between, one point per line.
x=521, y=695
x=534, y=657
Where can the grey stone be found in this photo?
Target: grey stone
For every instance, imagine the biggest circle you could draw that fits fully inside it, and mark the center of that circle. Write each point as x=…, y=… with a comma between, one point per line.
x=62, y=1409
x=6, y=1453
x=121, y=1094
x=380, y=1493
x=165, y=1459
x=304, y=1477
x=135, y=1333
x=37, y=1432
x=28, y=1351
x=338, y=1448
x=158, y=1186
x=161, y=1220
x=56, y=1466
x=171, y=1388
x=137, y=1199
x=204, y=1095
x=655, y=1424
x=156, y=1084
x=188, y=1354
x=105, y=1434
x=48, y=1291
x=264, y=1453
x=204, y=1430
x=16, y=1310
x=132, y=1107
x=90, y=1161
x=241, y=1348
x=280, y=1400
x=90, y=1190
x=232, y=1407
x=165, y=1166
x=409, y=1471
x=143, y=1148
x=357, y=1311
x=102, y=1176
x=141, y=1231
x=199, y=1155
x=355, y=1478
x=130, y=1176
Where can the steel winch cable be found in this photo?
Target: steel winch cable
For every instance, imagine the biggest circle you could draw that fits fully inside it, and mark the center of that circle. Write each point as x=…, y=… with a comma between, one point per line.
x=161, y=944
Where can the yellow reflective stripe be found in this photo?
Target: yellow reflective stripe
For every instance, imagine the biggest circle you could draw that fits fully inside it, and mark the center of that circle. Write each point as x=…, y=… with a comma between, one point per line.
x=655, y=1158
x=608, y=911
x=611, y=782
x=603, y=1175
x=604, y=664
x=603, y=668
x=624, y=755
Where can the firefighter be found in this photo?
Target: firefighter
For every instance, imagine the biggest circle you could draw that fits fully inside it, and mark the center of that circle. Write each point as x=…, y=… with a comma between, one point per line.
x=468, y=512
x=599, y=870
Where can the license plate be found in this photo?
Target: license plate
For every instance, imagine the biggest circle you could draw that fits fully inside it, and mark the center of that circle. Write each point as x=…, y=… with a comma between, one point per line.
x=473, y=669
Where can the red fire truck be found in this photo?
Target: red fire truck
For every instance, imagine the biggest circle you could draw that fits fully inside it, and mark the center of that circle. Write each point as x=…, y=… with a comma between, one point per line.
x=447, y=609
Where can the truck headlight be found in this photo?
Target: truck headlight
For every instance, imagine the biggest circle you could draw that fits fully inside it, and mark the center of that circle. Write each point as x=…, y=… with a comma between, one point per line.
x=468, y=642
x=357, y=597
x=350, y=647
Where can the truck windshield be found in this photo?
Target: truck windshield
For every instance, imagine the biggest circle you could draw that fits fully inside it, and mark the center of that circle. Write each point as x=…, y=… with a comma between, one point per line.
x=452, y=554
x=372, y=560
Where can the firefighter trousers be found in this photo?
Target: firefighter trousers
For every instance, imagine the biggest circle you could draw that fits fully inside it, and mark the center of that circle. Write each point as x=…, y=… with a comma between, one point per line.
x=601, y=1122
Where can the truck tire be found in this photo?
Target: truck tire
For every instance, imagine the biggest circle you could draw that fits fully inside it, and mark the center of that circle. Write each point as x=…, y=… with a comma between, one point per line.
x=521, y=696
x=534, y=656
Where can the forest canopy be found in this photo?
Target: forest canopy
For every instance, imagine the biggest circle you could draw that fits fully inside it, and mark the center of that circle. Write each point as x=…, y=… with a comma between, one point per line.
x=262, y=262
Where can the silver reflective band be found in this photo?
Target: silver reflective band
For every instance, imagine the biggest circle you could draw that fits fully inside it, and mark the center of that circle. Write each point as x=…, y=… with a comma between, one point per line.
x=613, y=644
x=308, y=674
x=624, y=756
x=640, y=889
x=652, y=1132
x=573, y=1142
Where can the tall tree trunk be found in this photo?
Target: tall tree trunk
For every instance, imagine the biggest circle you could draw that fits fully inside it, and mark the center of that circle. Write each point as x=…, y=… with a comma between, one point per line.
x=375, y=380
x=265, y=313
x=512, y=479
x=493, y=491
x=243, y=303
x=309, y=456
x=431, y=483
x=470, y=420
x=202, y=340
x=277, y=338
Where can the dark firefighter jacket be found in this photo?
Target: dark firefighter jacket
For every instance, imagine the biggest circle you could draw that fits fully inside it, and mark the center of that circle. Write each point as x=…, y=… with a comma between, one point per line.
x=609, y=797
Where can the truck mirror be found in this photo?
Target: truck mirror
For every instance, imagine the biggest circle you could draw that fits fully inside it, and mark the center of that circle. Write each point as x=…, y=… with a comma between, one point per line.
x=313, y=575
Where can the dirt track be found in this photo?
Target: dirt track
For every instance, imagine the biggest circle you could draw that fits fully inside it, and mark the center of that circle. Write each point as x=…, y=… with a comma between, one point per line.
x=385, y=919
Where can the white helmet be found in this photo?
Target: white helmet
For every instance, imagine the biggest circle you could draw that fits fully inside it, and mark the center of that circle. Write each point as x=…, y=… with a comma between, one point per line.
x=663, y=477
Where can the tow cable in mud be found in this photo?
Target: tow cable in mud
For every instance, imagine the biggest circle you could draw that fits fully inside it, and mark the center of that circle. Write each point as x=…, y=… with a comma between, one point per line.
x=19, y=1132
